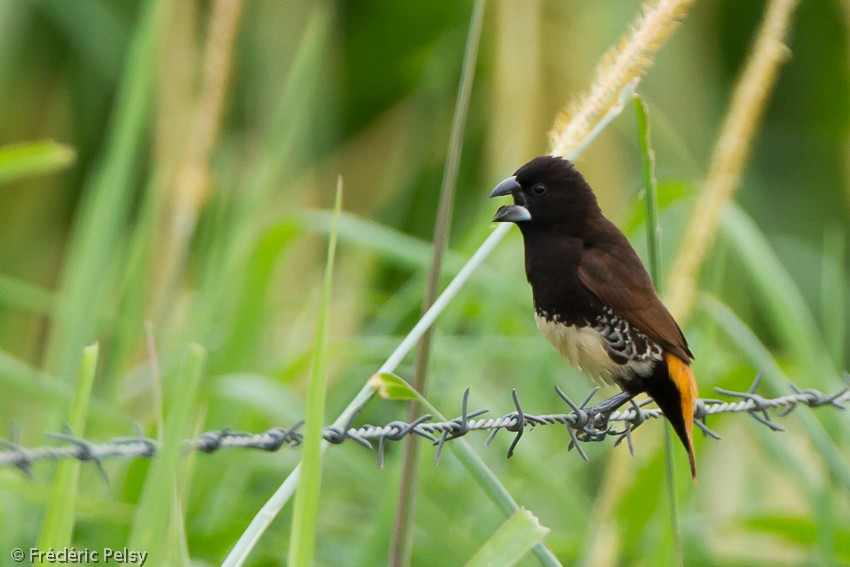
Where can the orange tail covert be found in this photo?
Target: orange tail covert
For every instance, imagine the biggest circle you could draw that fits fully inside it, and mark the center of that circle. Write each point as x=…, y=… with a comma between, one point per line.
x=683, y=378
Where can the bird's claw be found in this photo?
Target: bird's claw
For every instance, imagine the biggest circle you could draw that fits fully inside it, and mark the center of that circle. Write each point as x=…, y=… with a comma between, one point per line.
x=598, y=417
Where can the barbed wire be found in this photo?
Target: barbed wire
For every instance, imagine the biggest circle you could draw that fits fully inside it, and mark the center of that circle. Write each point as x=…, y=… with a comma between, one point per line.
x=583, y=424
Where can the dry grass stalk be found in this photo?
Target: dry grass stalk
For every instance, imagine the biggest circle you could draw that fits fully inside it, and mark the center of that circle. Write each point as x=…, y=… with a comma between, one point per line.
x=621, y=65
x=730, y=154
x=191, y=187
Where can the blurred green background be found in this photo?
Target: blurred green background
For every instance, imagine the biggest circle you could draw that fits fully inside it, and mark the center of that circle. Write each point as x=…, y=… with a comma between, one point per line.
x=99, y=248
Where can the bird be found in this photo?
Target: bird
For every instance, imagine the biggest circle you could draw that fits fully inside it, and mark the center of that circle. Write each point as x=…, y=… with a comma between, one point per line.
x=593, y=299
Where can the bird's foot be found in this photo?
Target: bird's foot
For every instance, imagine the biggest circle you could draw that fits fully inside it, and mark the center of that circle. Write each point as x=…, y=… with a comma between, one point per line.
x=597, y=427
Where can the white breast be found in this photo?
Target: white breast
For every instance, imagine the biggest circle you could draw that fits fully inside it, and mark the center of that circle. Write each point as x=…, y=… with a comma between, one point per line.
x=586, y=349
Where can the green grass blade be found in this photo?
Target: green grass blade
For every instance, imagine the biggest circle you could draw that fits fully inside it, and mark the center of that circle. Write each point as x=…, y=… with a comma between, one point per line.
x=296, y=98
x=394, y=387
x=396, y=246
x=107, y=197
x=650, y=188
x=227, y=240
x=514, y=538
x=305, y=517
x=25, y=380
x=19, y=161
x=386, y=241
x=653, y=237
x=833, y=294
x=820, y=494
x=776, y=378
x=152, y=526
x=26, y=295
x=251, y=308
x=783, y=303
x=58, y=525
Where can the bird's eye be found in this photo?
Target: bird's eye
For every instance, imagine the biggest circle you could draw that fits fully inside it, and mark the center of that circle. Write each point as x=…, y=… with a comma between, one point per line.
x=538, y=189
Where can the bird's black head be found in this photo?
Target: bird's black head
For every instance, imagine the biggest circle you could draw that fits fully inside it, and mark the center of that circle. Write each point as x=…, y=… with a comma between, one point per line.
x=547, y=192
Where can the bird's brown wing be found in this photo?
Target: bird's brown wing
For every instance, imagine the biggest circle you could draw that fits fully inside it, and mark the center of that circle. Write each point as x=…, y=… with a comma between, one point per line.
x=612, y=271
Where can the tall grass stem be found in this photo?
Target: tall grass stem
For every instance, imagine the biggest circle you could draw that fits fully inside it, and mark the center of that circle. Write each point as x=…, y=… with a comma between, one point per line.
x=401, y=545
x=653, y=240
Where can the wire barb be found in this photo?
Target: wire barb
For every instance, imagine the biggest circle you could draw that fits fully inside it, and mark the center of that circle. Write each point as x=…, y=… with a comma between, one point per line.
x=20, y=456
x=85, y=450
x=583, y=424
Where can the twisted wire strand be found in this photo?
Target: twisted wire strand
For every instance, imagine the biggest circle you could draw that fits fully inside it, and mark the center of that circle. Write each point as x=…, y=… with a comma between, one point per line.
x=583, y=424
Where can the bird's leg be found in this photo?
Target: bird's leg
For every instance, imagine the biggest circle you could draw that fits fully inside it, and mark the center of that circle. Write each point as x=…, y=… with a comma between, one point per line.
x=601, y=413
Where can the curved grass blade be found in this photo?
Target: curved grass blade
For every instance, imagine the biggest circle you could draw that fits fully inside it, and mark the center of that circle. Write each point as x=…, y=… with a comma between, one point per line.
x=28, y=159
x=514, y=538
x=303, y=539
x=58, y=527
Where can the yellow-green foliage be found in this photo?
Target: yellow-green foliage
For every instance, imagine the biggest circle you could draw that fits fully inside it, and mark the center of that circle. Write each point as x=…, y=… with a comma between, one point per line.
x=166, y=172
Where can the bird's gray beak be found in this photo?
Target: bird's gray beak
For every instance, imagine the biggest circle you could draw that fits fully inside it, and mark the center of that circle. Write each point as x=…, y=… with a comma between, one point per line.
x=509, y=186
x=510, y=213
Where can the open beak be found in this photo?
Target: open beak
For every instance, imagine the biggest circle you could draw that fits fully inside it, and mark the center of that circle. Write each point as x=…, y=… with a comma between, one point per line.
x=510, y=213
